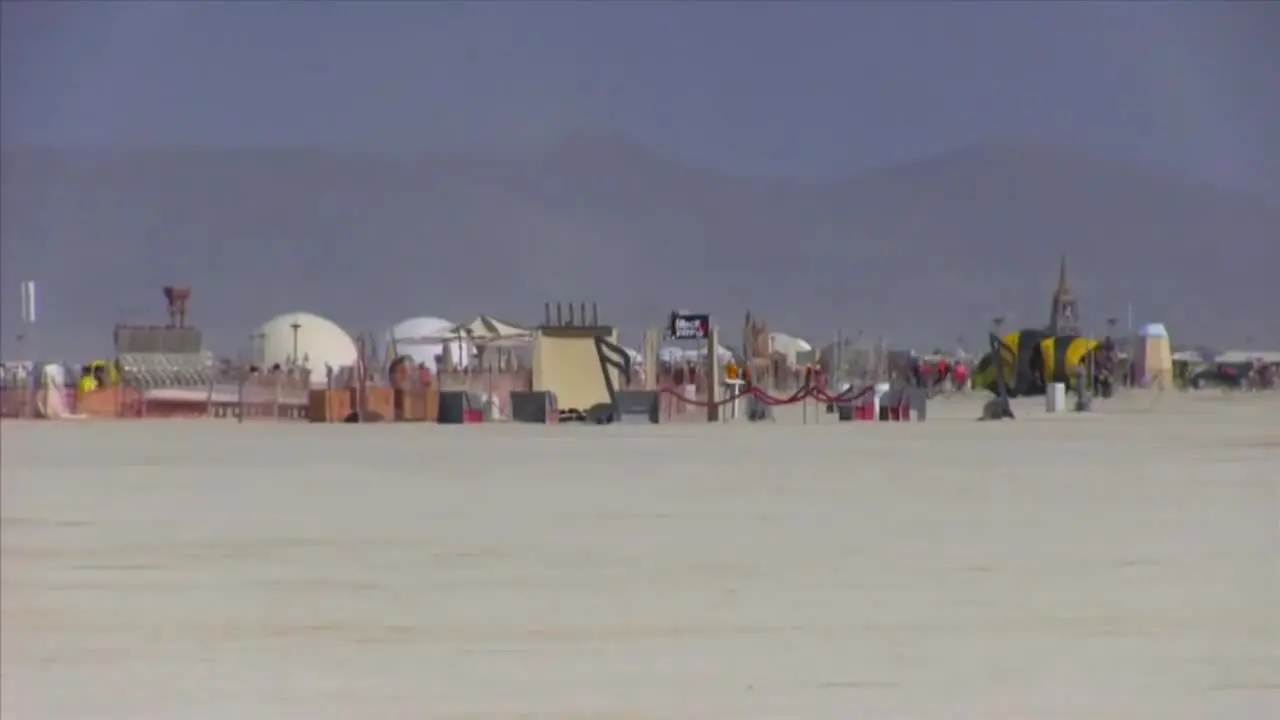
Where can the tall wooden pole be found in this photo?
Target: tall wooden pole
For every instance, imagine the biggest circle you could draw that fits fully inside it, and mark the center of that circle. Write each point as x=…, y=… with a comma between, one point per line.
x=650, y=356
x=713, y=374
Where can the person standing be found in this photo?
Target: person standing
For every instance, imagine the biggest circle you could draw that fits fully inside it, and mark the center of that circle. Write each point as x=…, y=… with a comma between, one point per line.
x=88, y=383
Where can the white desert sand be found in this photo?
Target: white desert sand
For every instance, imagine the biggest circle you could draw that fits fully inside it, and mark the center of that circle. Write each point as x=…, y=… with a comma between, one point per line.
x=1123, y=564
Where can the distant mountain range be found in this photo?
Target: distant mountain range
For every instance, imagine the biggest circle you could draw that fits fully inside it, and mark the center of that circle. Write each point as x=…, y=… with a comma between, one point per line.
x=922, y=253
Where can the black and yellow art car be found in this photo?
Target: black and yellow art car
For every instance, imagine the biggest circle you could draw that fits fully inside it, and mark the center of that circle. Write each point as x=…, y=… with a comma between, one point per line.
x=1031, y=359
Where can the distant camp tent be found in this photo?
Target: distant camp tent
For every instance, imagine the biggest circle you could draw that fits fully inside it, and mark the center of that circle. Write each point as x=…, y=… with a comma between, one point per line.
x=1152, y=357
x=793, y=349
x=676, y=354
x=671, y=354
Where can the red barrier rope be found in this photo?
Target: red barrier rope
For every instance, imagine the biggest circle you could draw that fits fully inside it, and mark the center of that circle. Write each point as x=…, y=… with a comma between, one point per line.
x=805, y=392
x=704, y=403
x=844, y=396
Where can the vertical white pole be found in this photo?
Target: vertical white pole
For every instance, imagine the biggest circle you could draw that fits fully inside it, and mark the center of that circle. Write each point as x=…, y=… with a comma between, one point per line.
x=29, y=302
x=28, y=291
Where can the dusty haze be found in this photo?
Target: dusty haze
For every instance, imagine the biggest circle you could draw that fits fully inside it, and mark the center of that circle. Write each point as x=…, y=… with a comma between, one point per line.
x=910, y=170
x=922, y=252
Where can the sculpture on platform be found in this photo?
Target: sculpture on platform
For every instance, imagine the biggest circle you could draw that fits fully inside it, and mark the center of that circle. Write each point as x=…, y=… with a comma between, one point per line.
x=177, y=298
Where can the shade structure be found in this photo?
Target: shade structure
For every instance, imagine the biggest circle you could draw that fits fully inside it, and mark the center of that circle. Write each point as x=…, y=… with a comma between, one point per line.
x=486, y=328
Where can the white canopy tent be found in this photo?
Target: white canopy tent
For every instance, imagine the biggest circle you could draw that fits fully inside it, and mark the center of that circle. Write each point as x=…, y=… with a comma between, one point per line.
x=485, y=328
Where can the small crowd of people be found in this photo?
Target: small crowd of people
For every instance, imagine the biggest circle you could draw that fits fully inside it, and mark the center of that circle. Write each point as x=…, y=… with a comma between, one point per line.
x=936, y=374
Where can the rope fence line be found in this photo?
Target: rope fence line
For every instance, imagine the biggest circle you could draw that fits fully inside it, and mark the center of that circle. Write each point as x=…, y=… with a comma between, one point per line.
x=808, y=391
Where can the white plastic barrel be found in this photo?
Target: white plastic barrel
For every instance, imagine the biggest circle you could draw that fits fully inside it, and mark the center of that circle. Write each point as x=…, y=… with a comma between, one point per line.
x=1055, y=397
x=877, y=390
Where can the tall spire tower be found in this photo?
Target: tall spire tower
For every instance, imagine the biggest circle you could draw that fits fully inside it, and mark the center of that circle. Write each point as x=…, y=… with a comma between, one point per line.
x=1064, y=316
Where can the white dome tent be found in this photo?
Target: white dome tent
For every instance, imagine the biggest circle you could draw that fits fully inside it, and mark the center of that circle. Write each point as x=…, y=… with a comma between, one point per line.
x=318, y=343
x=425, y=338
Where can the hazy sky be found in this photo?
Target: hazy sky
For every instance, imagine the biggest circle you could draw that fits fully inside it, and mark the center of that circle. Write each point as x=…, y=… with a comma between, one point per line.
x=769, y=89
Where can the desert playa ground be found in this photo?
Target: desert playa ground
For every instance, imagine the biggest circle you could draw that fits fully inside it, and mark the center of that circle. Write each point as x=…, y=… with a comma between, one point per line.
x=1121, y=564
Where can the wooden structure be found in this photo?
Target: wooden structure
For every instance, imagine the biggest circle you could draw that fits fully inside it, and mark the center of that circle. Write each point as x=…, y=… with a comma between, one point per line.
x=406, y=396
x=565, y=360
x=379, y=401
